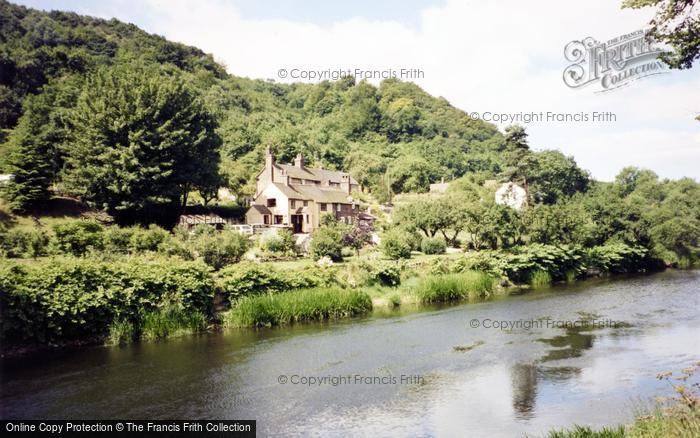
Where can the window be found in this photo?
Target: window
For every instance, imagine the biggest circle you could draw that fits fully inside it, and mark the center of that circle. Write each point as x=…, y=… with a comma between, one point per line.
x=323, y=206
x=272, y=202
x=338, y=207
x=279, y=219
x=294, y=203
x=266, y=219
x=306, y=203
x=297, y=181
x=334, y=184
x=307, y=218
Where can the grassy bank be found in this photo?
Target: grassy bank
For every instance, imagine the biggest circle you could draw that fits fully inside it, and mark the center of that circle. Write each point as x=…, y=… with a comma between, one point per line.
x=470, y=285
x=297, y=306
x=657, y=425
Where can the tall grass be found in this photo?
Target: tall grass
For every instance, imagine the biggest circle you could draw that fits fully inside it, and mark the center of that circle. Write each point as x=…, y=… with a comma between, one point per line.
x=171, y=321
x=121, y=332
x=540, y=278
x=298, y=305
x=587, y=432
x=450, y=287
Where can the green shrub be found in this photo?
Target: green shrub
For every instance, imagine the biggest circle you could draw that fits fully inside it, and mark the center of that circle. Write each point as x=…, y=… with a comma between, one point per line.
x=117, y=239
x=450, y=287
x=220, y=248
x=327, y=241
x=282, y=243
x=147, y=239
x=433, y=245
x=252, y=279
x=296, y=306
x=62, y=299
x=77, y=237
x=385, y=274
x=395, y=244
x=21, y=243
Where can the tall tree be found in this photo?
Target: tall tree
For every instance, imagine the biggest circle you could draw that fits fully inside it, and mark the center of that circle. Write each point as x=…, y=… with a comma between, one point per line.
x=517, y=155
x=35, y=155
x=141, y=137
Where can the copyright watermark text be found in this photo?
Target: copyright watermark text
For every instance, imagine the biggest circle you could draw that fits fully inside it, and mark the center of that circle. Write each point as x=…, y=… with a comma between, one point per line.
x=349, y=379
x=544, y=117
x=544, y=323
x=333, y=74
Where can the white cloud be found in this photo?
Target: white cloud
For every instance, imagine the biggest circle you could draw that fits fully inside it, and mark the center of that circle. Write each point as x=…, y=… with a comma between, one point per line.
x=504, y=56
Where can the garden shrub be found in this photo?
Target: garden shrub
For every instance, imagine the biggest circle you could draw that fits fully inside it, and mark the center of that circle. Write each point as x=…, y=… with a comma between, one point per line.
x=395, y=244
x=385, y=274
x=281, y=243
x=79, y=236
x=19, y=243
x=219, y=248
x=327, y=242
x=147, y=239
x=433, y=245
x=117, y=239
x=252, y=279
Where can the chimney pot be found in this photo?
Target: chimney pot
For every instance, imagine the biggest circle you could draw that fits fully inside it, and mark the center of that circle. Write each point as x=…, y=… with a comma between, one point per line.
x=299, y=161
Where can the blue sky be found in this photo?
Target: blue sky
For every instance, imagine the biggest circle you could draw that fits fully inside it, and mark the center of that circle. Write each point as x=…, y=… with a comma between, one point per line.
x=504, y=56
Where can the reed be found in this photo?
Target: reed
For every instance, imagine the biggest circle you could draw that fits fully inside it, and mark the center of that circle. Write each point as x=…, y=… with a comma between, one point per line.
x=540, y=279
x=296, y=306
x=466, y=285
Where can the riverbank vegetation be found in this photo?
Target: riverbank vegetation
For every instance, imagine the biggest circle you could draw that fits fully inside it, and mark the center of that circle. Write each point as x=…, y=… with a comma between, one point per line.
x=297, y=306
x=676, y=416
x=118, y=298
x=470, y=285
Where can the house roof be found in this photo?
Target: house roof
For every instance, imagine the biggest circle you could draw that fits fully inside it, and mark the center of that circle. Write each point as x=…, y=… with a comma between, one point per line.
x=314, y=174
x=313, y=193
x=261, y=209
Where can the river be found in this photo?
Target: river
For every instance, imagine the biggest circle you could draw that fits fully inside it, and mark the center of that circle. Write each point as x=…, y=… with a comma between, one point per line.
x=394, y=373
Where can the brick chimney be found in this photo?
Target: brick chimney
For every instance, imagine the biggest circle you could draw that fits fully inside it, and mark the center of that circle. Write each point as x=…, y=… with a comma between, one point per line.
x=299, y=161
x=270, y=162
x=345, y=183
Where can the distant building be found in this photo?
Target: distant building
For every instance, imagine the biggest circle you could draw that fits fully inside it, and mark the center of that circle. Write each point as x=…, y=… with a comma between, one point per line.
x=440, y=187
x=297, y=196
x=512, y=195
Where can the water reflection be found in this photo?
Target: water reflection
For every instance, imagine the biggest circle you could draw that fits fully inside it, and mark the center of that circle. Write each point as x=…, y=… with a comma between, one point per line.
x=523, y=377
x=569, y=345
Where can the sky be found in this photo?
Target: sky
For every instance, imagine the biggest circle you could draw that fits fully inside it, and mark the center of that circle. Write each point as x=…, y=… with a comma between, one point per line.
x=484, y=57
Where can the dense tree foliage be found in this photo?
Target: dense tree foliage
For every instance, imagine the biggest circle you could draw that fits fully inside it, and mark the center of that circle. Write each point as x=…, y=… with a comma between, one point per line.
x=637, y=210
x=395, y=137
x=676, y=23
x=139, y=137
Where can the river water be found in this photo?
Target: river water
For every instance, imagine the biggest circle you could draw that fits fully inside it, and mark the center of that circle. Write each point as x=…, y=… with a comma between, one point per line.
x=394, y=373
